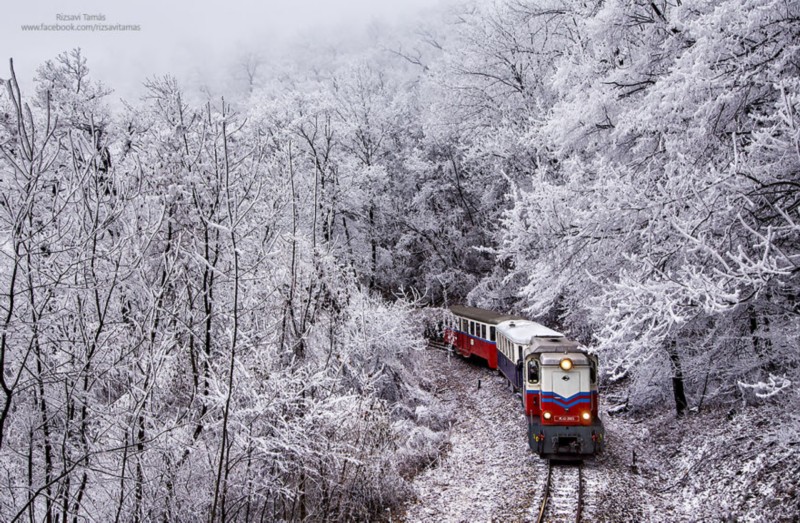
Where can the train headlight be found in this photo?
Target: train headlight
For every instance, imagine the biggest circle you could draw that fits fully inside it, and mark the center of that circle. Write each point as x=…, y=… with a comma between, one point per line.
x=565, y=364
x=586, y=416
x=547, y=415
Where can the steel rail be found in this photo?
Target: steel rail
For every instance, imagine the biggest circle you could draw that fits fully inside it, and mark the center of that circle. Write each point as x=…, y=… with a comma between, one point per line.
x=548, y=486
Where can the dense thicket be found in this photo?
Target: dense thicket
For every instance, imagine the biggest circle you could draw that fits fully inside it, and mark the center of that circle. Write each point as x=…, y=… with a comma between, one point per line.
x=659, y=213
x=188, y=327
x=207, y=307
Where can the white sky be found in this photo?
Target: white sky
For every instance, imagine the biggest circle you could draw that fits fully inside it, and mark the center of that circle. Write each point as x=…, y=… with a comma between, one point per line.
x=176, y=37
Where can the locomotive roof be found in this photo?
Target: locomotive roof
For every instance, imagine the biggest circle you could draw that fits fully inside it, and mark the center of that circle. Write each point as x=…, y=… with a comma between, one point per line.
x=482, y=315
x=548, y=345
x=522, y=331
x=578, y=358
x=554, y=345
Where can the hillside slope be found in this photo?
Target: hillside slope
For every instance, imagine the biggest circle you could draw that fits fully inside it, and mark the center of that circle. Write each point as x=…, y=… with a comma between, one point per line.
x=655, y=468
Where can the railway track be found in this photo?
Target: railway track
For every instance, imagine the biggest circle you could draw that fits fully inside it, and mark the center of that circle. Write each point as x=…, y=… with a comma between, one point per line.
x=563, y=493
x=439, y=345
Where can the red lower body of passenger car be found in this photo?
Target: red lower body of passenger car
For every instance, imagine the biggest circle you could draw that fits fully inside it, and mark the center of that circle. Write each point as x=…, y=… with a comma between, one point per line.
x=468, y=345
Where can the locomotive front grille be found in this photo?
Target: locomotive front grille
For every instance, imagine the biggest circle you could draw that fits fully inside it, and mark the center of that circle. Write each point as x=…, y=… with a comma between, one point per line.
x=567, y=445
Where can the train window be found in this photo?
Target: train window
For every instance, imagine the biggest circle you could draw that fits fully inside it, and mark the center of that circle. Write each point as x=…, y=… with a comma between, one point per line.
x=492, y=334
x=519, y=353
x=472, y=328
x=592, y=371
x=483, y=331
x=533, y=371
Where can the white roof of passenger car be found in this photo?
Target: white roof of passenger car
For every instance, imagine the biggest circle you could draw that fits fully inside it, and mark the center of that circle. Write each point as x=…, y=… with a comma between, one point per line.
x=521, y=331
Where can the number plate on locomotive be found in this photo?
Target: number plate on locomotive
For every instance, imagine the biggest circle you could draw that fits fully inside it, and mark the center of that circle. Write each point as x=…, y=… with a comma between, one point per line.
x=565, y=419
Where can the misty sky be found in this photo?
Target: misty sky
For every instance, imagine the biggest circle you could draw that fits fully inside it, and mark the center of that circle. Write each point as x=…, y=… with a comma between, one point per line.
x=178, y=37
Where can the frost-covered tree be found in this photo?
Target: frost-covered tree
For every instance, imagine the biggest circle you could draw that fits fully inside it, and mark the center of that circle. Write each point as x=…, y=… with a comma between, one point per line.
x=645, y=212
x=185, y=333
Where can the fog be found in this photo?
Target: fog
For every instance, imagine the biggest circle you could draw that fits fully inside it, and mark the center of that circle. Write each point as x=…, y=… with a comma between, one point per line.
x=198, y=41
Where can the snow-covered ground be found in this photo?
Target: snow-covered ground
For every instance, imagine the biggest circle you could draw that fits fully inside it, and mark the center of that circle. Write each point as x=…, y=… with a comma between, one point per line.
x=488, y=472
x=703, y=467
x=712, y=466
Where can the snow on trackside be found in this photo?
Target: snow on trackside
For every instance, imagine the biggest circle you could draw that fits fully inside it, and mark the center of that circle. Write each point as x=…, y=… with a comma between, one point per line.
x=488, y=472
x=655, y=468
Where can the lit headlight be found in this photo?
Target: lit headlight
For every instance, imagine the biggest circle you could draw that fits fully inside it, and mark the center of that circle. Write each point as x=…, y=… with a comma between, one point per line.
x=547, y=415
x=586, y=416
x=566, y=364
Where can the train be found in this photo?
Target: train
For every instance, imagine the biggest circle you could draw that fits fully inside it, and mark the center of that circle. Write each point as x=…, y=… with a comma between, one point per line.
x=556, y=379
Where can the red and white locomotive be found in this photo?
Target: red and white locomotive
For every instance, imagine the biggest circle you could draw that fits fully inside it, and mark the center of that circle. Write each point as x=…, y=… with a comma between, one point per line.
x=557, y=379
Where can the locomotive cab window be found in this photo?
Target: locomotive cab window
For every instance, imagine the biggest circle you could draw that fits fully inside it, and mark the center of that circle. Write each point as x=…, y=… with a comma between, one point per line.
x=593, y=371
x=533, y=371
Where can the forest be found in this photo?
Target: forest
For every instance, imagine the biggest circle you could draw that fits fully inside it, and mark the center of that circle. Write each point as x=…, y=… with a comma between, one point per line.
x=212, y=304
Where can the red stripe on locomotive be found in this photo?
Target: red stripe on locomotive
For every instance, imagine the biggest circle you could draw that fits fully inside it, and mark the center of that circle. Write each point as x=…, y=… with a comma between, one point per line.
x=563, y=412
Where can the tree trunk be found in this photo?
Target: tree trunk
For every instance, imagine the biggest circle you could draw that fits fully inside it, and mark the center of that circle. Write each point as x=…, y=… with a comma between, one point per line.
x=677, y=380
